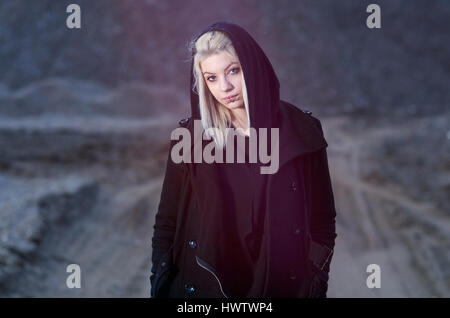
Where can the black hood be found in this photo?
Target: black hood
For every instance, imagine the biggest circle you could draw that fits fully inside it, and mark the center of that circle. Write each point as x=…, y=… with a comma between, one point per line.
x=263, y=87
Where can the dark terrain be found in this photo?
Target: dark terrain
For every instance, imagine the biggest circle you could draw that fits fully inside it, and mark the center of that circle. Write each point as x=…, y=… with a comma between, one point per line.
x=86, y=116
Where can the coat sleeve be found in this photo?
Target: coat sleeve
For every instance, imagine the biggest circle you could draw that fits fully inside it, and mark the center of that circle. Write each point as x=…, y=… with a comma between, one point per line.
x=323, y=225
x=166, y=216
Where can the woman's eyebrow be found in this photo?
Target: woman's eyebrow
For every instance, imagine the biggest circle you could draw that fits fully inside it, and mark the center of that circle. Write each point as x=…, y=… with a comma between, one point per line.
x=225, y=67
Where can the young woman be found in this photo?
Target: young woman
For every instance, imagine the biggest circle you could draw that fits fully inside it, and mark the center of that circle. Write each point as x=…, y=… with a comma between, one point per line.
x=226, y=229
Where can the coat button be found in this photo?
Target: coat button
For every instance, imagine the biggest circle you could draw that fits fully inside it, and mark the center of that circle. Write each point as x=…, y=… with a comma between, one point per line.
x=294, y=186
x=183, y=121
x=192, y=244
x=163, y=264
x=297, y=231
x=189, y=288
x=292, y=275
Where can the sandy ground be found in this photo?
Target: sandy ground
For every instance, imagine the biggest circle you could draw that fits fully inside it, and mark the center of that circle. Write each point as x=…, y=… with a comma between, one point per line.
x=111, y=243
x=379, y=224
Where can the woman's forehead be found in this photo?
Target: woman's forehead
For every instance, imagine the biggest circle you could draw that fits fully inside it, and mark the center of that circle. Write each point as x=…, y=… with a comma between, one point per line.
x=218, y=62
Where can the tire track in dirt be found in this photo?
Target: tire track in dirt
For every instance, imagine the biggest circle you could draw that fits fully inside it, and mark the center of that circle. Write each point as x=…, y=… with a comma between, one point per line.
x=379, y=224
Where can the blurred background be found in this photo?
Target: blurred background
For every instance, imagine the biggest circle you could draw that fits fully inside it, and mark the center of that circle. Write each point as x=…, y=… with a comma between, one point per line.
x=86, y=116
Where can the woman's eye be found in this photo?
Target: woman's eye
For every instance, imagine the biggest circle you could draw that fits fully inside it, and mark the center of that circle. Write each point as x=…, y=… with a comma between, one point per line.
x=233, y=71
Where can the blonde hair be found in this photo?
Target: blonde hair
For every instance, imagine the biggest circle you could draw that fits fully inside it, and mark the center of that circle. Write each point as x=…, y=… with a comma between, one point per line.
x=215, y=117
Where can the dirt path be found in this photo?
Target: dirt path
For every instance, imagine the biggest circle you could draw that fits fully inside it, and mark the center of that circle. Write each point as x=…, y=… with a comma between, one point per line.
x=381, y=225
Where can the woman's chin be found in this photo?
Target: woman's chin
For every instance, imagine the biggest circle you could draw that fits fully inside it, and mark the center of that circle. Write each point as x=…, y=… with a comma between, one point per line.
x=234, y=105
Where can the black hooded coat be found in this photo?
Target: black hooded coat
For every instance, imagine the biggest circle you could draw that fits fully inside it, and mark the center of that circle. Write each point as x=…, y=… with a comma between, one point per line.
x=197, y=251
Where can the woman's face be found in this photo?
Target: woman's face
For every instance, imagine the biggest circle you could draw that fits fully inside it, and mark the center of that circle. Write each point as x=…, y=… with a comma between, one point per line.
x=222, y=74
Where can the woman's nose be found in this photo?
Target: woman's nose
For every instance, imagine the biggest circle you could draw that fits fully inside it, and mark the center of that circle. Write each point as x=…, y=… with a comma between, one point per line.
x=225, y=85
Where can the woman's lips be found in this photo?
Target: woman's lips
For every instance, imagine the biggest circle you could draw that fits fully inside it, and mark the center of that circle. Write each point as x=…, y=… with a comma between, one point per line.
x=231, y=99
